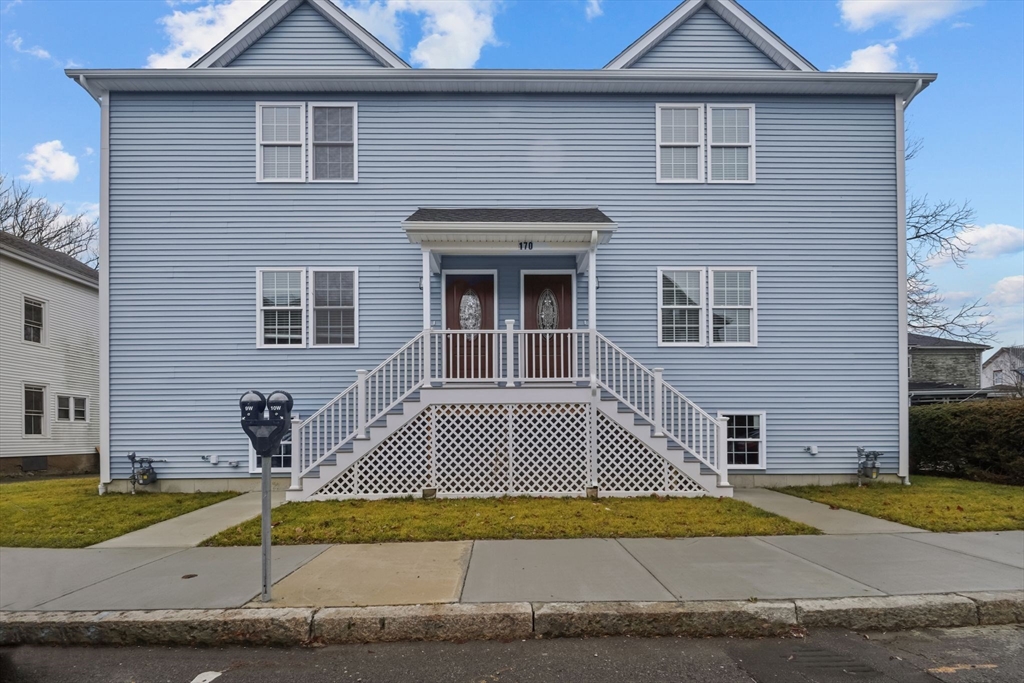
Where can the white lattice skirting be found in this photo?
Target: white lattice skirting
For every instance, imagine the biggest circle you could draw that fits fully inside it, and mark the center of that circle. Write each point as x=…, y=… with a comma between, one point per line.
x=536, y=449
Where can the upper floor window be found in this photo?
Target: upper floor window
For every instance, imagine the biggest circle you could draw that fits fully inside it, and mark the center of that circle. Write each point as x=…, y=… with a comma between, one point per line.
x=997, y=377
x=733, y=307
x=281, y=305
x=281, y=142
x=33, y=320
x=334, y=142
x=731, y=144
x=334, y=307
x=680, y=143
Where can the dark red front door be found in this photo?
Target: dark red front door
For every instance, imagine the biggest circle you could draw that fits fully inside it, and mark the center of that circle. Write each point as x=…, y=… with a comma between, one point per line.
x=469, y=306
x=547, y=307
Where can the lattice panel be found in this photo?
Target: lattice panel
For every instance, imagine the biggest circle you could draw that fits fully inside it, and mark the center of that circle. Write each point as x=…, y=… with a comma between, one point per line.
x=626, y=465
x=550, y=448
x=471, y=448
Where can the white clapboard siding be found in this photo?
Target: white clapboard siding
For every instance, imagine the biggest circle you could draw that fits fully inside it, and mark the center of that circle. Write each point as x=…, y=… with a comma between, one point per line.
x=704, y=41
x=190, y=226
x=66, y=363
x=305, y=38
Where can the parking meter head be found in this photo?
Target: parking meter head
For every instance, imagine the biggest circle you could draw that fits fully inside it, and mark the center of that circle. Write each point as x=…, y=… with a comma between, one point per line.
x=280, y=405
x=252, y=404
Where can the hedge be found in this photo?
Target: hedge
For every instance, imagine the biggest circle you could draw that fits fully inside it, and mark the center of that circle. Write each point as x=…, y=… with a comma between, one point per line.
x=979, y=440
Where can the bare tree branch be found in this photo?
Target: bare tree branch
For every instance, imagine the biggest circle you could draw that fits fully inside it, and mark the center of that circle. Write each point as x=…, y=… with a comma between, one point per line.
x=37, y=220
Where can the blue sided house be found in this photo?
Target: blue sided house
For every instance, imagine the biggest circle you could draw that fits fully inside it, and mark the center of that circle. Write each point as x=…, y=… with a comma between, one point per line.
x=673, y=275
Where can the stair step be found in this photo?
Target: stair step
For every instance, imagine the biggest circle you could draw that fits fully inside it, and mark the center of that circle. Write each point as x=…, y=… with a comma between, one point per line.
x=641, y=420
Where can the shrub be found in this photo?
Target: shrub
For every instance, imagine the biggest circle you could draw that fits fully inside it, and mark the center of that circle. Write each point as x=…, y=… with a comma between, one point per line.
x=979, y=440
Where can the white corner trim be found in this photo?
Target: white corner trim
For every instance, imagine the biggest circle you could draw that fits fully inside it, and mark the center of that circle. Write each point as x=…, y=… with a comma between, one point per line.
x=703, y=328
x=903, y=363
x=104, y=307
x=311, y=307
x=355, y=142
x=753, y=304
x=763, y=465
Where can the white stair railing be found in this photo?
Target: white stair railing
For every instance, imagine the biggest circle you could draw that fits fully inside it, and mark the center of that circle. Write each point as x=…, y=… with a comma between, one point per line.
x=670, y=412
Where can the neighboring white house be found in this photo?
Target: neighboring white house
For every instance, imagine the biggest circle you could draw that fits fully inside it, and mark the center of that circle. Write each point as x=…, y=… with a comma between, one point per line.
x=1004, y=370
x=49, y=361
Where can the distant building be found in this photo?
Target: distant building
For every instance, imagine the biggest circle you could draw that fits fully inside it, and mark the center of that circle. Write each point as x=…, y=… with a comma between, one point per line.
x=944, y=370
x=49, y=361
x=1003, y=373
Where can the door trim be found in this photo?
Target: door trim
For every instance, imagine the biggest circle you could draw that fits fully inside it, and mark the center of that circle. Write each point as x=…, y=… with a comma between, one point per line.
x=553, y=271
x=493, y=272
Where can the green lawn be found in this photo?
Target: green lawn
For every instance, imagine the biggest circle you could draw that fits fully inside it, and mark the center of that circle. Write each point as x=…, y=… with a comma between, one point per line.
x=932, y=503
x=68, y=513
x=502, y=518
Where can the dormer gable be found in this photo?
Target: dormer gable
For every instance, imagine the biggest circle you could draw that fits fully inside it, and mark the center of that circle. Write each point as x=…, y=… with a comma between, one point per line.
x=300, y=33
x=710, y=35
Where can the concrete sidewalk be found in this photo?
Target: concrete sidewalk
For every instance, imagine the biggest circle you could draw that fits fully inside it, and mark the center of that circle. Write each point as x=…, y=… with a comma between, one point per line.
x=818, y=515
x=581, y=570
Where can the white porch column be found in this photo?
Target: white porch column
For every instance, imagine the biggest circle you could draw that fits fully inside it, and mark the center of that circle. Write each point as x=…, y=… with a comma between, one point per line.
x=592, y=312
x=426, y=289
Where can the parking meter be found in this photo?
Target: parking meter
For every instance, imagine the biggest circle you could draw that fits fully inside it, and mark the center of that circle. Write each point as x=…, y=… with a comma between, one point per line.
x=265, y=421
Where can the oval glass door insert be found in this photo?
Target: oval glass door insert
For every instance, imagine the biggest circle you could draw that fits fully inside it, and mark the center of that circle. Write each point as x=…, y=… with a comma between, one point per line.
x=547, y=311
x=470, y=312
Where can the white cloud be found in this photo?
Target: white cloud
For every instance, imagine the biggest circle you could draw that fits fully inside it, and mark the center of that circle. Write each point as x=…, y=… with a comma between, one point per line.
x=992, y=240
x=1008, y=292
x=192, y=33
x=49, y=161
x=453, y=33
x=594, y=9
x=89, y=151
x=11, y=5
x=874, y=58
x=18, y=45
x=910, y=17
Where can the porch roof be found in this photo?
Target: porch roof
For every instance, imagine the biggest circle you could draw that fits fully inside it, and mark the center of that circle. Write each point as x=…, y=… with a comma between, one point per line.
x=564, y=228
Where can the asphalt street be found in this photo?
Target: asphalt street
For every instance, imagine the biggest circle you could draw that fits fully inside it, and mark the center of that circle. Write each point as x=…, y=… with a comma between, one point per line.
x=966, y=655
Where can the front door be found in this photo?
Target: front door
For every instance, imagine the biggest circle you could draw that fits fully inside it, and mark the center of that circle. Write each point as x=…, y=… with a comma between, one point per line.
x=547, y=307
x=469, y=308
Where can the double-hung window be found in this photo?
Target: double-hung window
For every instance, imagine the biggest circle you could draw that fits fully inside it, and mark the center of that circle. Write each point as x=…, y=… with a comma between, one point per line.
x=34, y=410
x=280, y=459
x=71, y=409
x=33, y=320
x=745, y=440
x=281, y=304
x=733, y=307
x=731, y=143
x=281, y=142
x=334, y=307
x=334, y=142
x=680, y=143
x=681, y=306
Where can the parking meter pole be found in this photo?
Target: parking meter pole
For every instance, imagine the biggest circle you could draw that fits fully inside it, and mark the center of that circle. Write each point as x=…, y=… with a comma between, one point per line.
x=265, y=526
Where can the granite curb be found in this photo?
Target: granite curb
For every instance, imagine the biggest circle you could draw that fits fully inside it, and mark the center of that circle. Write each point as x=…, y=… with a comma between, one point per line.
x=506, y=621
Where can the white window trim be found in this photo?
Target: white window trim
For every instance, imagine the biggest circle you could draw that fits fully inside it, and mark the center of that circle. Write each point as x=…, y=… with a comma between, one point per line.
x=71, y=408
x=711, y=304
x=723, y=414
x=312, y=308
x=43, y=336
x=45, y=423
x=752, y=145
x=700, y=145
x=703, y=305
x=260, y=309
x=260, y=143
x=253, y=469
x=355, y=143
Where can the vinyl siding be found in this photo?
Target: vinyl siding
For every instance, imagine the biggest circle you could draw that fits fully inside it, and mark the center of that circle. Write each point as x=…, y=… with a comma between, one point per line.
x=66, y=363
x=189, y=226
x=704, y=41
x=305, y=38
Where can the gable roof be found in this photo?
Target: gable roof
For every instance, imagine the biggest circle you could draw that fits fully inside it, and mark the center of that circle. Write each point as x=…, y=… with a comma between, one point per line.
x=273, y=13
x=923, y=341
x=733, y=14
x=1015, y=352
x=48, y=259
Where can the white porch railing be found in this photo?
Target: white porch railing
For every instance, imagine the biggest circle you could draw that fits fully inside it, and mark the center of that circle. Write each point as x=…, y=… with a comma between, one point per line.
x=508, y=357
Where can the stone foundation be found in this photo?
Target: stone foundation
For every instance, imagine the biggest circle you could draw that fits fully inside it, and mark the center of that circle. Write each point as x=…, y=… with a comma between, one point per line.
x=240, y=484
x=742, y=480
x=50, y=465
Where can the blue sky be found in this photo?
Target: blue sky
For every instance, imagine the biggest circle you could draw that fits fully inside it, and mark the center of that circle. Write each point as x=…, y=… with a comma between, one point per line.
x=971, y=120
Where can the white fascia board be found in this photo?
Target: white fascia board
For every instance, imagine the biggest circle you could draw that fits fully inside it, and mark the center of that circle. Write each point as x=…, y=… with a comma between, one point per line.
x=582, y=233
x=595, y=81
x=272, y=13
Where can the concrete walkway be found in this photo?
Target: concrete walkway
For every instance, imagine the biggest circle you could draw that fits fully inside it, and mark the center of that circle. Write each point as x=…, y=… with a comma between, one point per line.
x=191, y=529
x=581, y=570
x=818, y=515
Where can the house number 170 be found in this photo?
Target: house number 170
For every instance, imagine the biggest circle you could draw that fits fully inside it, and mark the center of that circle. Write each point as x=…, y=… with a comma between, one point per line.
x=526, y=246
